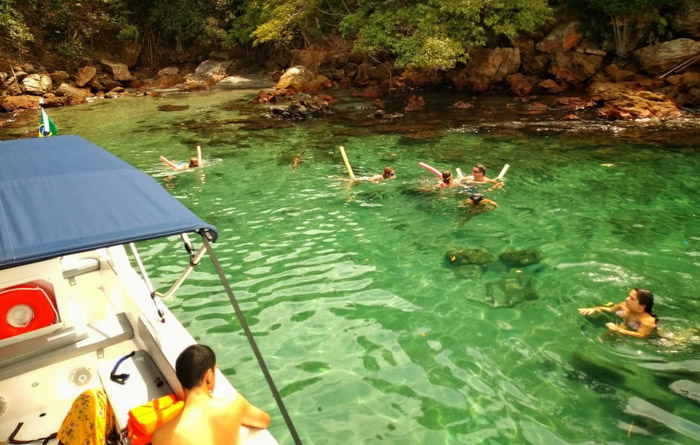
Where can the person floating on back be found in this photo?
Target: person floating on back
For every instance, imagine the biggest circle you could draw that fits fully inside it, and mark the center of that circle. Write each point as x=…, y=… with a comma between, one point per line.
x=478, y=176
x=636, y=312
x=205, y=420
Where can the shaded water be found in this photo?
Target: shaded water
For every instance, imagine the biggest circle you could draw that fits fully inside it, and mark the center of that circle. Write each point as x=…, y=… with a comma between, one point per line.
x=372, y=334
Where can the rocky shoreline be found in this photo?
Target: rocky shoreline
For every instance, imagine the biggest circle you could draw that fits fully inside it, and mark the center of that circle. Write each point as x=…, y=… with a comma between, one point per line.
x=661, y=83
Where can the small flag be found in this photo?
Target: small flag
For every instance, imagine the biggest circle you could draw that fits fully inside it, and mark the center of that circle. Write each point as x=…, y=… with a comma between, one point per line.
x=46, y=126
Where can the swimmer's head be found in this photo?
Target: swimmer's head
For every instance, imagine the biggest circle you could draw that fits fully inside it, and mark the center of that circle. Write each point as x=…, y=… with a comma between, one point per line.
x=646, y=298
x=194, y=162
x=388, y=173
x=447, y=176
x=476, y=198
x=479, y=169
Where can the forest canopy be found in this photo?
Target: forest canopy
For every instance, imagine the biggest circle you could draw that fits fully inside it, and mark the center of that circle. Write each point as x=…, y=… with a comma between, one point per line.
x=429, y=34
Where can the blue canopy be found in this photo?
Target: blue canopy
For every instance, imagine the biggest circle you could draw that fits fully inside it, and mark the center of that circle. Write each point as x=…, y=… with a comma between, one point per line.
x=63, y=195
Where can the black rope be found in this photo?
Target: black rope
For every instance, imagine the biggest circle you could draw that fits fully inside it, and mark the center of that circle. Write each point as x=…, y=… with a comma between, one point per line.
x=251, y=340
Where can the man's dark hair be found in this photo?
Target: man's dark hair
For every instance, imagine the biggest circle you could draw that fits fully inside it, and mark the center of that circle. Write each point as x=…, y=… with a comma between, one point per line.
x=192, y=365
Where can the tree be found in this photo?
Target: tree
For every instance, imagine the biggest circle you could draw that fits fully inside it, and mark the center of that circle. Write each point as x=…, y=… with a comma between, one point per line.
x=627, y=17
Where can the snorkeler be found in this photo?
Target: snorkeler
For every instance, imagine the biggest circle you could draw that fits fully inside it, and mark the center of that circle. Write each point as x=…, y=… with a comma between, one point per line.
x=636, y=311
x=479, y=176
x=477, y=199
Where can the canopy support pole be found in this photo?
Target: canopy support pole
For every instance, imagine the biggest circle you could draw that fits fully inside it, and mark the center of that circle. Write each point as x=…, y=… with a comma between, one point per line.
x=195, y=258
x=251, y=340
x=147, y=280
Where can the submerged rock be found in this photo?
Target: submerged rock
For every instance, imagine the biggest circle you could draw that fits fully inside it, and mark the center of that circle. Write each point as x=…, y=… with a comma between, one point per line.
x=459, y=257
x=510, y=290
x=519, y=258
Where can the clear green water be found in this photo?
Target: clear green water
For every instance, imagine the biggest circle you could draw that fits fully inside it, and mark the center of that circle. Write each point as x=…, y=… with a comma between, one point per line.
x=371, y=334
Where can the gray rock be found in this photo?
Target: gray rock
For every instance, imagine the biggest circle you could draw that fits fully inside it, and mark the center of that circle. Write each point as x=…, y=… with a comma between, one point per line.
x=37, y=84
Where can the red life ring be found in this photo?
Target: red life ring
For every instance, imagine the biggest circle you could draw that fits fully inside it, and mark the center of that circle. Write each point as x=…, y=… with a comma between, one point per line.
x=25, y=308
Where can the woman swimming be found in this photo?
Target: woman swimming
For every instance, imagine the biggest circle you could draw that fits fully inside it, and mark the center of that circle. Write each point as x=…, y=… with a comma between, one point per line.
x=636, y=311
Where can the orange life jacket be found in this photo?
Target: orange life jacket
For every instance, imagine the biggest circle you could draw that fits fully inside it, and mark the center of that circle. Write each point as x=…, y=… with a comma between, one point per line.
x=145, y=419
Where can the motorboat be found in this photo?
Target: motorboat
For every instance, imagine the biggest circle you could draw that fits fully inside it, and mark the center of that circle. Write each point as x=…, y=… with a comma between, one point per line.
x=72, y=307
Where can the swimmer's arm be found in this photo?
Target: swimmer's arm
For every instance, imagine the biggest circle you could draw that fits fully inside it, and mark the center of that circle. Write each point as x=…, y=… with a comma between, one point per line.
x=491, y=203
x=644, y=330
x=594, y=310
x=252, y=415
x=496, y=185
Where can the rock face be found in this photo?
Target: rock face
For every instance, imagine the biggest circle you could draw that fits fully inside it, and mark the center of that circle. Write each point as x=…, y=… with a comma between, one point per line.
x=624, y=103
x=214, y=69
x=85, y=75
x=657, y=59
x=117, y=69
x=37, y=84
x=561, y=39
x=74, y=95
x=14, y=103
x=486, y=67
x=574, y=67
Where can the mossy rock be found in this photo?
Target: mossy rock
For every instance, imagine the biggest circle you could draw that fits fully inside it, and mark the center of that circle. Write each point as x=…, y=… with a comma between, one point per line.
x=519, y=258
x=460, y=257
x=510, y=291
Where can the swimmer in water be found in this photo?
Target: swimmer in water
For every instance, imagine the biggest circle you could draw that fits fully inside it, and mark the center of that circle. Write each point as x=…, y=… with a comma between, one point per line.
x=388, y=173
x=447, y=180
x=478, y=176
x=477, y=199
x=636, y=312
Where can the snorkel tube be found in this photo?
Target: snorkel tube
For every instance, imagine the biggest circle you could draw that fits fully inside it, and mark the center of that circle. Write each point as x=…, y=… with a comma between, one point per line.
x=199, y=155
x=347, y=163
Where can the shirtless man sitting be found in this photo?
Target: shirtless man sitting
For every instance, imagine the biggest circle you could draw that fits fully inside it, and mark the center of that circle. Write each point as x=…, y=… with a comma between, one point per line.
x=205, y=420
x=478, y=176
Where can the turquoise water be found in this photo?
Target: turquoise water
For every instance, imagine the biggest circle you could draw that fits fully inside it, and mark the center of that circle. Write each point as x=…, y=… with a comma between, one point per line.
x=372, y=334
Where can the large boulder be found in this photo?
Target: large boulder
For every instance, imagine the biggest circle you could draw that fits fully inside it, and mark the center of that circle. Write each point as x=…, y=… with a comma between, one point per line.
x=37, y=84
x=74, y=95
x=85, y=75
x=620, y=102
x=22, y=102
x=657, y=59
x=294, y=78
x=574, y=67
x=117, y=69
x=58, y=77
x=561, y=39
x=214, y=69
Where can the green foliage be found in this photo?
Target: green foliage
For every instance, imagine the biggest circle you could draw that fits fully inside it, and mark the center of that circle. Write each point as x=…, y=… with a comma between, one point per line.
x=13, y=30
x=437, y=34
x=128, y=34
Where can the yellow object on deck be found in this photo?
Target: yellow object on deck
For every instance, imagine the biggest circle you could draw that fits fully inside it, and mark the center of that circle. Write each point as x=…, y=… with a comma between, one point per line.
x=347, y=163
x=89, y=421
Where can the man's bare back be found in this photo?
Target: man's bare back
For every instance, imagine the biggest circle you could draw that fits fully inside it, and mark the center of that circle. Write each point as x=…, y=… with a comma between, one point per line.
x=205, y=420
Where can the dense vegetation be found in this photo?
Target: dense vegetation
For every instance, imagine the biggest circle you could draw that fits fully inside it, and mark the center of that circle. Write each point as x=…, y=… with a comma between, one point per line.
x=413, y=33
